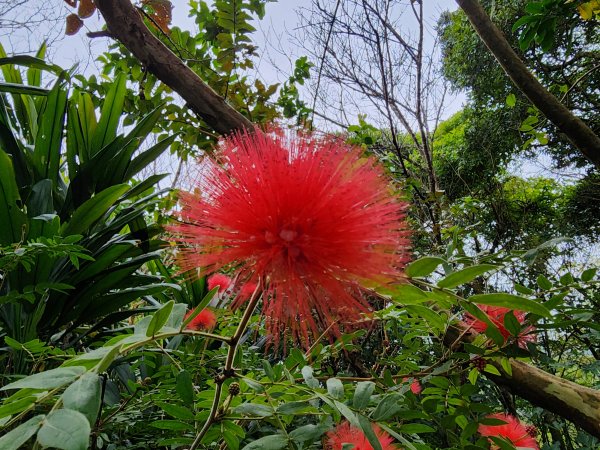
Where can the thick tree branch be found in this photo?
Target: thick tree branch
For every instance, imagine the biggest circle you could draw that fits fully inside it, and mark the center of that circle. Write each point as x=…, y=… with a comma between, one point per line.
x=576, y=403
x=125, y=24
x=573, y=127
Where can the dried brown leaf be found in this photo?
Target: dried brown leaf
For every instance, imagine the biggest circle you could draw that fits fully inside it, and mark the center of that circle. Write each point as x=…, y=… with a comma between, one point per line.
x=86, y=8
x=161, y=13
x=74, y=24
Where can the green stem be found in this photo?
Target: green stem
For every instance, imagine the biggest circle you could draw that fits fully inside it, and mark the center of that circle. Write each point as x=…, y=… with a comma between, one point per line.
x=228, y=369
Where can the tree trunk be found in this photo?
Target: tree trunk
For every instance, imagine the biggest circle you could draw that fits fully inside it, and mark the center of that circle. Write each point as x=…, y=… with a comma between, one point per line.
x=125, y=23
x=579, y=404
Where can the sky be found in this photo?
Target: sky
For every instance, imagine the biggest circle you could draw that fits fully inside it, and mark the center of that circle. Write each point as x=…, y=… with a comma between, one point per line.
x=276, y=36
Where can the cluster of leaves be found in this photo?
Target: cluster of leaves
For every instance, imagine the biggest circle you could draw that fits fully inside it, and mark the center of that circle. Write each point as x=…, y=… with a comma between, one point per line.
x=73, y=228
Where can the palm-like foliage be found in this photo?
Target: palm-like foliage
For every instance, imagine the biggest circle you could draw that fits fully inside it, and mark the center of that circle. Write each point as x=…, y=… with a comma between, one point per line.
x=65, y=178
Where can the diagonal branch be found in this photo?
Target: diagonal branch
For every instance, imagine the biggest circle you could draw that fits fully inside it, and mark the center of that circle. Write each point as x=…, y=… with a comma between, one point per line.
x=574, y=128
x=125, y=24
x=576, y=403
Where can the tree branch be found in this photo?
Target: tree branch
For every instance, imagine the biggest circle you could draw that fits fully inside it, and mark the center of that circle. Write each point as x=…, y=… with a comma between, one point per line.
x=579, y=404
x=573, y=127
x=125, y=24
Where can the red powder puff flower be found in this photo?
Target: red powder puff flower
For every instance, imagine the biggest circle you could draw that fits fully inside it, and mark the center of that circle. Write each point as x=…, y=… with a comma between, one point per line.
x=513, y=430
x=218, y=279
x=496, y=315
x=312, y=218
x=415, y=386
x=246, y=291
x=205, y=320
x=347, y=434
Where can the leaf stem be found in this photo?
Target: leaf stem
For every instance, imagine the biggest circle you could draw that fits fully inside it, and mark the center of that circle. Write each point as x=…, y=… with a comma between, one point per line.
x=228, y=370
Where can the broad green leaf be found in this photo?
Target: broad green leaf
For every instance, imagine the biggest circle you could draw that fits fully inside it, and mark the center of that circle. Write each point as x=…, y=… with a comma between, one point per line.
x=159, y=318
x=544, y=283
x=271, y=442
x=335, y=388
x=65, y=429
x=12, y=407
x=32, y=61
x=416, y=428
x=106, y=130
x=434, y=320
x=48, y=141
x=176, y=411
x=405, y=294
x=254, y=410
x=387, y=407
x=49, y=379
x=588, y=274
x=491, y=330
x=367, y=429
x=185, y=387
x=84, y=396
x=308, y=433
x=511, y=301
x=174, y=425
x=347, y=413
x=141, y=161
x=362, y=394
x=423, y=266
x=465, y=275
x=14, y=439
x=12, y=219
x=511, y=100
x=93, y=209
x=24, y=89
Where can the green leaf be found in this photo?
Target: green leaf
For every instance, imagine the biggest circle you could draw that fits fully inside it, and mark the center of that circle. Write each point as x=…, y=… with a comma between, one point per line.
x=174, y=425
x=367, y=429
x=335, y=388
x=544, y=283
x=14, y=88
x=511, y=100
x=254, y=410
x=159, y=318
x=32, y=61
x=405, y=294
x=48, y=141
x=84, y=396
x=65, y=429
x=106, y=130
x=362, y=394
x=416, y=428
x=176, y=411
x=465, y=275
x=12, y=219
x=185, y=387
x=387, y=407
x=489, y=368
x=271, y=442
x=17, y=437
x=434, y=319
x=93, y=209
x=511, y=301
x=588, y=274
x=423, y=266
x=49, y=379
x=308, y=433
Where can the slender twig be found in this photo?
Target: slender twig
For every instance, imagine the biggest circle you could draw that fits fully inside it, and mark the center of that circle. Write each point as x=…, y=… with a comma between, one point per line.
x=228, y=370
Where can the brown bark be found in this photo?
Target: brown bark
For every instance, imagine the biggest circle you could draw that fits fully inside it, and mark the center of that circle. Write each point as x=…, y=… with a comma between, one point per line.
x=125, y=23
x=576, y=403
x=573, y=127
